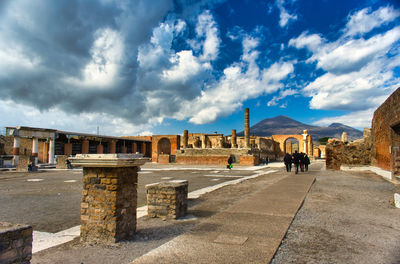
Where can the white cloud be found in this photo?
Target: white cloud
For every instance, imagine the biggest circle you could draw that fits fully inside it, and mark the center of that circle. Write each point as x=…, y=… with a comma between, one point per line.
x=284, y=16
x=358, y=119
x=358, y=71
x=207, y=29
x=282, y=95
x=364, y=21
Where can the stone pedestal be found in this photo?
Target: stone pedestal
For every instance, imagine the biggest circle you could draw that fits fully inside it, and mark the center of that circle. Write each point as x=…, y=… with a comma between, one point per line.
x=109, y=196
x=15, y=243
x=167, y=199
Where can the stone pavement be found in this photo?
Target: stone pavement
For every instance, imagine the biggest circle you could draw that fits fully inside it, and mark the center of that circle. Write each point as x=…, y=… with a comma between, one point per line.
x=249, y=231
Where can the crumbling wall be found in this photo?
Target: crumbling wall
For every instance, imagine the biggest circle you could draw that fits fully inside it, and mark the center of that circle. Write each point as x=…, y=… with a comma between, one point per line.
x=357, y=152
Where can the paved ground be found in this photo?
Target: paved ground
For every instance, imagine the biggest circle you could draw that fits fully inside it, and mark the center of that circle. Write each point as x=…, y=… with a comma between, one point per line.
x=50, y=200
x=347, y=217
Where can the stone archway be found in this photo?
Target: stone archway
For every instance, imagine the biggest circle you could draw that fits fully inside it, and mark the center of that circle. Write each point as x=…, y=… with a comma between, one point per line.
x=290, y=145
x=164, y=146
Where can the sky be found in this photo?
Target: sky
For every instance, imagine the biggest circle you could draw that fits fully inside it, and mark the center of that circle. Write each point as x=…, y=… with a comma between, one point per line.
x=144, y=67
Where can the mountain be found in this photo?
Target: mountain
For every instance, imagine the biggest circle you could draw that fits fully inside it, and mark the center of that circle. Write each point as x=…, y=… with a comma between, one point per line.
x=283, y=125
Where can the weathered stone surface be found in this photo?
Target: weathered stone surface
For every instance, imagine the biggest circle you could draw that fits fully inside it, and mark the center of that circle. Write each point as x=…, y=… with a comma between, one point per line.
x=61, y=162
x=167, y=199
x=15, y=243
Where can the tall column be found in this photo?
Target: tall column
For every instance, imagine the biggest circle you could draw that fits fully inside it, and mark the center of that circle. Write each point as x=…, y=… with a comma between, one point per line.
x=185, y=138
x=51, y=151
x=203, y=141
x=134, y=147
x=16, y=150
x=144, y=148
x=234, y=139
x=112, y=147
x=99, y=149
x=85, y=146
x=35, y=149
x=246, y=128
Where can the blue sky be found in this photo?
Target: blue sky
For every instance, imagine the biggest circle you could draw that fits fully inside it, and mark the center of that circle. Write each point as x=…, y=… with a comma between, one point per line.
x=159, y=67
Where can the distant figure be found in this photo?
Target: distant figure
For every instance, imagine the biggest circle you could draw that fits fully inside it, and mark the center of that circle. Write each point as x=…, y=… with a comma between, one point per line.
x=302, y=161
x=69, y=166
x=288, y=162
x=266, y=160
x=30, y=165
x=230, y=161
x=296, y=161
x=306, y=162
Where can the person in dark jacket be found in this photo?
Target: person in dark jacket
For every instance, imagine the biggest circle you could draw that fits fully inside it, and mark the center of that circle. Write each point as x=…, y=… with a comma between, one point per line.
x=296, y=161
x=306, y=162
x=230, y=161
x=287, y=159
x=302, y=161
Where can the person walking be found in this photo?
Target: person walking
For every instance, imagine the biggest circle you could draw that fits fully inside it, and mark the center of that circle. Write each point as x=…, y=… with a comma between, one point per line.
x=306, y=162
x=287, y=159
x=230, y=161
x=296, y=161
x=302, y=161
x=266, y=160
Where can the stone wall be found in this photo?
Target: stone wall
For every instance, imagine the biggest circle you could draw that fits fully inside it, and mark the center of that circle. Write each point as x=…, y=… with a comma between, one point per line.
x=249, y=160
x=358, y=152
x=109, y=200
x=61, y=162
x=203, y=160
x=167, y=199
x=163, y=159
x=385, y=132
x=23, y=162
x=15, y=243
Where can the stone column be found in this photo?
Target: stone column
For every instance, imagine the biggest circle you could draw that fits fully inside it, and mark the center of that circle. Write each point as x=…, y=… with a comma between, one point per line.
x=51, y=151
x=185, y=138
x=203, y=141
x=246, y=128
x=234, y=139
x=134, y=147
x=109, y=196
x=85, y=146
x=112, y=147
x=304, y=141
x=100, y=149
x=16, y=150
x=344, y=137
x=35, y=149
x=144, y=148
x=67, y=149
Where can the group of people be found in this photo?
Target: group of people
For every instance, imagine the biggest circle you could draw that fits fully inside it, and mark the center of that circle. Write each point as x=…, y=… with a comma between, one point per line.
x=298, y=159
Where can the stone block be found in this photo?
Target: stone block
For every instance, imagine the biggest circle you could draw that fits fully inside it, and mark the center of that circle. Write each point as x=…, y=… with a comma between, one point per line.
x=167, y=199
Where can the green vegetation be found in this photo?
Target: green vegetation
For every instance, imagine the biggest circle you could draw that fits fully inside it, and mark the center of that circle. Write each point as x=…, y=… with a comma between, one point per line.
x=323, y=140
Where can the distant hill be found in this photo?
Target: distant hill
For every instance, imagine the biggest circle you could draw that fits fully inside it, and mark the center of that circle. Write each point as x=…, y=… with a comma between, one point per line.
x=283, y=125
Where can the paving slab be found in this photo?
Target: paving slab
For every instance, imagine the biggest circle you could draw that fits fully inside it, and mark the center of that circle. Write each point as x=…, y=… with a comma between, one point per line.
x=250, y=231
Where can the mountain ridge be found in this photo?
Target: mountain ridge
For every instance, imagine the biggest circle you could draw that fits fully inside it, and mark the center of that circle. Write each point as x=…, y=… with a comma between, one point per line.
x=284, y=125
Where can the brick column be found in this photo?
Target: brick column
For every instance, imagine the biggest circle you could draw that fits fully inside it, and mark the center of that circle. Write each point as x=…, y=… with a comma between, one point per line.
x=123, y=149
x=109, y=196
x=35, y=149
x=185, y=138
x=134, y=147
x=67, y=149
x=85, y=146
x=144, y=148
x=16, y=150
x=112, y=146
x=246, y=128
x=100, y=149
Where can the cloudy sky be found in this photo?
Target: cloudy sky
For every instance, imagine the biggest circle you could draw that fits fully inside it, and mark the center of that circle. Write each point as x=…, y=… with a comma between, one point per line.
x=162, y=66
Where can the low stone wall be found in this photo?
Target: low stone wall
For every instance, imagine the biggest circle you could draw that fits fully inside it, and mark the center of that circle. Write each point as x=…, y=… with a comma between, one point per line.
x=167, y=199
x=23, y=162
x=202, y=160
x=249, y=160
x=163, y=159
x=61, y=162
x=358, y=152
x=15, y=243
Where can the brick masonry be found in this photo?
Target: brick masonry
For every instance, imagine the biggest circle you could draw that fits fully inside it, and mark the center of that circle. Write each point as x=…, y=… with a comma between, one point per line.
x=61, y=162
x=167, y=199
x=249, y=160
x=15, y=243
x=163, y=159
x=109, y=201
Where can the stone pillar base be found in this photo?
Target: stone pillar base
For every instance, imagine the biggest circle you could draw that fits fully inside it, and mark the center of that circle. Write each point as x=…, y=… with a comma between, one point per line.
x=109, y=200
x=167, y=199
x=15, y=243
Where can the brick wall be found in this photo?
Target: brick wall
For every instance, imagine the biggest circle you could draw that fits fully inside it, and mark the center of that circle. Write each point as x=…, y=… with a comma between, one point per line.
x=15, y=243
x=203, y=160
x=249, y=160
x=163, y=159
x=384, y=137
